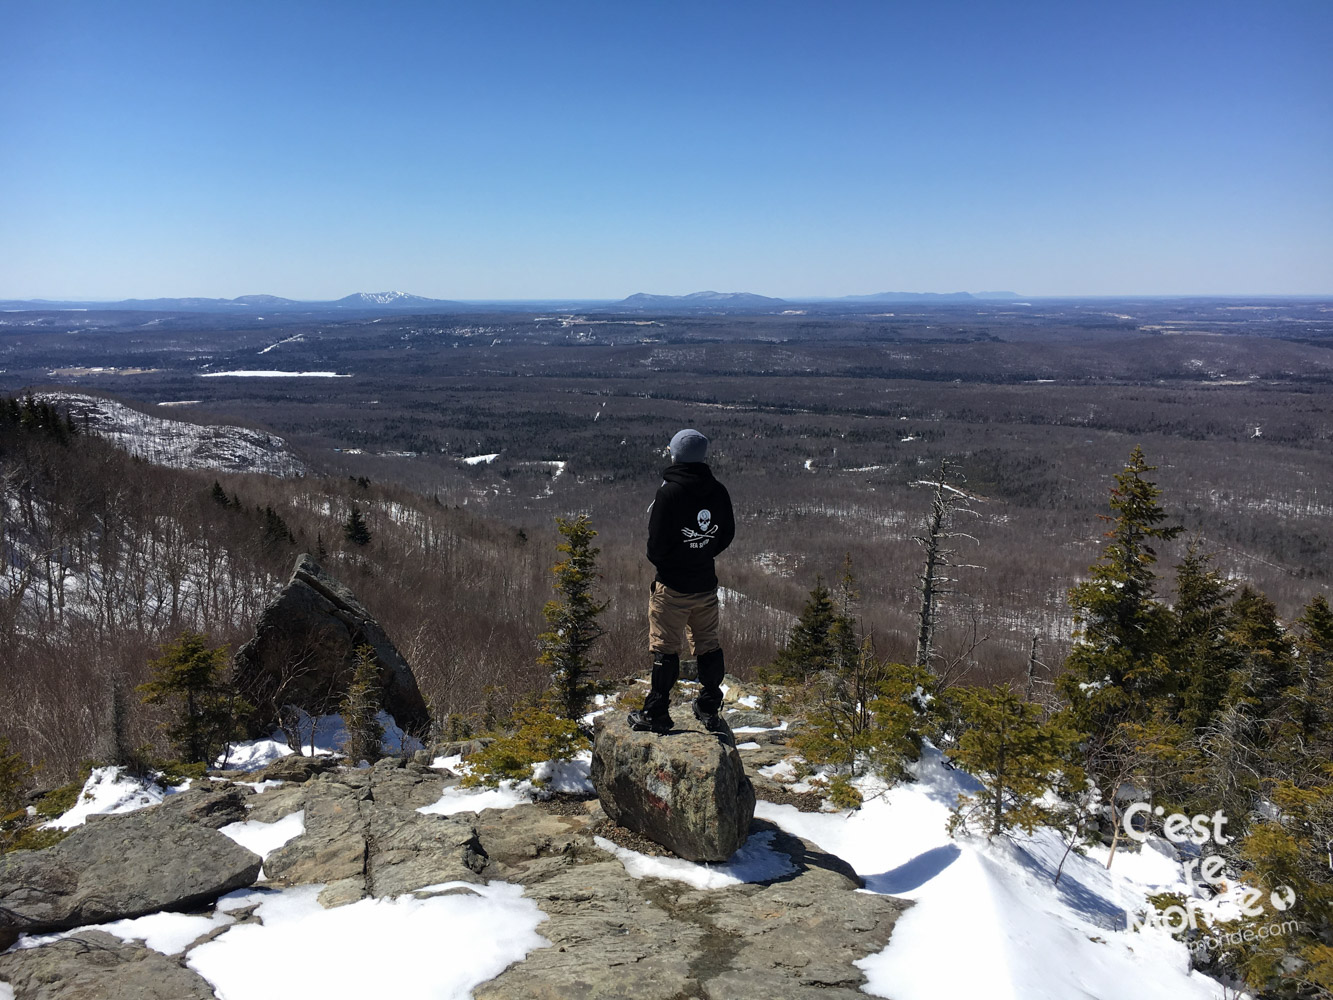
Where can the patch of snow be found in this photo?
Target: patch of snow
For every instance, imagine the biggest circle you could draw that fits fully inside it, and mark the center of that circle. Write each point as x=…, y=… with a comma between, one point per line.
x=749, y=701
x=759, y=729
x=457, y=800
x=439, y=947
x=327, y=733
x=107, y=791
x=783, y=770
x=756, y=861
x=481, y=459
x=169, y=933
x=182, y=402
x=261, y=787
x=289, y=340
x=271, y=374
x=251, y=755
x=570, y=777
x=997, y=902
x=178, y=444
x=752, y=745
x=6, y=991
x=265, y=838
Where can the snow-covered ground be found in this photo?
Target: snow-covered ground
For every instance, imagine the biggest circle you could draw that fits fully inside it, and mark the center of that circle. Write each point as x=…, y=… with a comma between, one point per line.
x=271, y=374
x=319, y=736
x=437, y=947
x=569, y=777
x=178, y=444
x=756, y=861
x=988, y=920
x=110, y=790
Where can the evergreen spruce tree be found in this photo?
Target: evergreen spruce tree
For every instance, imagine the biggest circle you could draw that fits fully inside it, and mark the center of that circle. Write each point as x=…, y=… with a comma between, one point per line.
x=1019, y=759
x=1202, y=656
x=15, y=776
x=1314, y=670
x=218, y=495
x=276, y=532
x=355, y=530
x=360, y=710
x=1118, y=666
x=842, y=633
x=191, y=675
x=868, y=718
x=566, y=645
x=1288, y=853
x=1263, y=680
x=812, y=645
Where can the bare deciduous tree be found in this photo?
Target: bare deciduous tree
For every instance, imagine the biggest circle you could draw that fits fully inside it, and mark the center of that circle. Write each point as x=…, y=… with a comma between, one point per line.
x=947, y=501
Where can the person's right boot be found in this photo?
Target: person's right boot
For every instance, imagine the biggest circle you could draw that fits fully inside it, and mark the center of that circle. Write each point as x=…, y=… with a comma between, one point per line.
x=654, y=716
x=712, y=669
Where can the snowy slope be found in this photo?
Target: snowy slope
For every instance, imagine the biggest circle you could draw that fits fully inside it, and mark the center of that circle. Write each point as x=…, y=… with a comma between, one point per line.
x=178, y=444
x=988, y=920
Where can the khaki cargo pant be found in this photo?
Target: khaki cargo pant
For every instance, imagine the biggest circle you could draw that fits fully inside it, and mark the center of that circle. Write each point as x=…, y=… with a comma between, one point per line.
x=670, y=613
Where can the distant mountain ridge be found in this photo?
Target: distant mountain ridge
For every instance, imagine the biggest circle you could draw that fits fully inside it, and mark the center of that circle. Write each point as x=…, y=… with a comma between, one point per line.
x=369, y=301
x=701, y=300
x=396, y=301
x=928, y=297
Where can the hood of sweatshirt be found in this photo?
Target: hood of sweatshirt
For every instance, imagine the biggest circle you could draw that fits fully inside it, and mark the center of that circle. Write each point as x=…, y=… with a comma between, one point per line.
x=695, y=477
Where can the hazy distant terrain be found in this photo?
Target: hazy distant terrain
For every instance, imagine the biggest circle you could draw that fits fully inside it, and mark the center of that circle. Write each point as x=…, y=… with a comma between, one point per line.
x=822, y=416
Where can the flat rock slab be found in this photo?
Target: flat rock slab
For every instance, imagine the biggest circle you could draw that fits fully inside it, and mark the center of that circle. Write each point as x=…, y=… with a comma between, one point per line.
x=364, y=837
x=687, y=789
x=93, y=965
x=112, y=867
x=614, y=937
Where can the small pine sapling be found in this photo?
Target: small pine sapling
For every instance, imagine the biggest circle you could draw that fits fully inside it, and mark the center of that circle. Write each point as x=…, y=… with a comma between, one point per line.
x=360, y=709
x=573, y=618
x=535, y=734
x=191, y=676
x=1021, y=760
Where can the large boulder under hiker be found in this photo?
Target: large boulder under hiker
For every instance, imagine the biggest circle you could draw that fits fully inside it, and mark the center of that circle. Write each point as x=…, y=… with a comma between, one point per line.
x=688, y=791
x=690, y=523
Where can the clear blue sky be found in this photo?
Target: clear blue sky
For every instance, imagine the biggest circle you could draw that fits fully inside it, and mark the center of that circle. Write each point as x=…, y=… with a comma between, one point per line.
x=561, y=149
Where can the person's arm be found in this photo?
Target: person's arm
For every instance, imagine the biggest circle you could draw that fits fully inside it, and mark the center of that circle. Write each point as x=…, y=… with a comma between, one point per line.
x=726, y=521
x=659, y=518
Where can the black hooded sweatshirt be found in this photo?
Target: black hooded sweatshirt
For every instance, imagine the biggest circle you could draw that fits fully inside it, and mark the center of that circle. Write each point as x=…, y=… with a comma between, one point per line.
x=689, y=523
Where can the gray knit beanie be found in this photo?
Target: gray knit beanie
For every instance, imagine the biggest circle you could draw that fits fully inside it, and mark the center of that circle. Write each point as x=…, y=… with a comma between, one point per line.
x=689, y=446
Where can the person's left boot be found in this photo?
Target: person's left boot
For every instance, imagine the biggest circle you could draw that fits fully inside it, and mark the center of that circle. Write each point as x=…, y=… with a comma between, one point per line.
x=712, y=669
x=711, y=720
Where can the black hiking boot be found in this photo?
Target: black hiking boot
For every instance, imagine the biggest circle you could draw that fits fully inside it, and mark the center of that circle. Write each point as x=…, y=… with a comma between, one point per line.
x=643, y=723
x=711, y=720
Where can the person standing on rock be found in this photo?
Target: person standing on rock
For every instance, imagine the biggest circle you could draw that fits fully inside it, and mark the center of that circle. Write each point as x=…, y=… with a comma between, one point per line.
x=690, y=522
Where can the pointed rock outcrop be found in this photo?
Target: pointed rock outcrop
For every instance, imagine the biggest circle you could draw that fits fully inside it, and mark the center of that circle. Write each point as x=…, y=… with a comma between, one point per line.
x=304, y=652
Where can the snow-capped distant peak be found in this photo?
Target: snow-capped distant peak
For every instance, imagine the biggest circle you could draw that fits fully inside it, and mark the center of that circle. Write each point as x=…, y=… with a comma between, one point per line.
x=382, y=298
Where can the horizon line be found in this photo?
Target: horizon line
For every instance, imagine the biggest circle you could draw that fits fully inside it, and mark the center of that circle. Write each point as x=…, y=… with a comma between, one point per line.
x=794, y=299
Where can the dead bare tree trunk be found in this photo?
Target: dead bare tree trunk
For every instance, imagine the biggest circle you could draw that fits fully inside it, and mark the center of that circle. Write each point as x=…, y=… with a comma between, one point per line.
x=947, y=500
